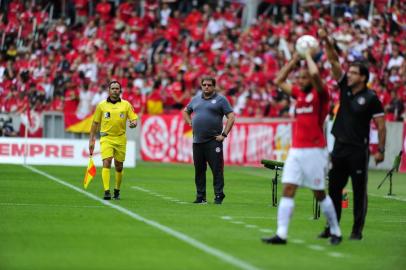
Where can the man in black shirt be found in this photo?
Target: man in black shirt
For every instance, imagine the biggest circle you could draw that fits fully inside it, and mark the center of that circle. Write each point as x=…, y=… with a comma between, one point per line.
x=208, y=110
x=350, y=156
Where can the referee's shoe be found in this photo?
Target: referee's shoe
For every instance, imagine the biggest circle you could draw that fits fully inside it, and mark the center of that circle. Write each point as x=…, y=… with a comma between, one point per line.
x=107, y=195
x=116, y=194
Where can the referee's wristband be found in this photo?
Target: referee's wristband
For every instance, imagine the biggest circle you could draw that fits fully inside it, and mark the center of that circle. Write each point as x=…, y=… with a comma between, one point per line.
x=224, y=135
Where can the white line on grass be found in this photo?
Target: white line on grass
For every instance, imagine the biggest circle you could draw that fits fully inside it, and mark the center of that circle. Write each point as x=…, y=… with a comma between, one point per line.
x=258, y=174
x=51, y=205
x=142, y=189
x=294, y=240
x=266, y=230
x=388, y=197
x=159, y=195
x=385, y=197
x=181, y=236
x=237, y=222
x=335, y=254
x=297, y=241
x=253, y=217
x=316, y=247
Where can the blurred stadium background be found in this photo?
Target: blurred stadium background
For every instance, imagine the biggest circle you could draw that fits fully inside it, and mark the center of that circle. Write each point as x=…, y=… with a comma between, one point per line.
x=56, y=59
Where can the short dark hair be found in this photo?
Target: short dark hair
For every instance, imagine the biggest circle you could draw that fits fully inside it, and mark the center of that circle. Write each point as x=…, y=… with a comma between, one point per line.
x=363, y=69
x=208, y=78
x=110, y=83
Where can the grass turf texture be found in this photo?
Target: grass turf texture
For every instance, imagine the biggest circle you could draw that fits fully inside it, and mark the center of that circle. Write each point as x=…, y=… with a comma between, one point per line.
x=45, y=225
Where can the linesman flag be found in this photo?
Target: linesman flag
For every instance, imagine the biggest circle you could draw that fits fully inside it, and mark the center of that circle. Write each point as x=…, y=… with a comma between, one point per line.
x=90, y=173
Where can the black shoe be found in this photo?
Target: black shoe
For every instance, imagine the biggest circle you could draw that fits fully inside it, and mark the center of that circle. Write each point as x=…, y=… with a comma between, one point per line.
x=275, y=240
x=335, y=240
x=107, y=195
x=325, y=234
x=219, y=198
x=116, y=194
x=200, y=200
x=356, y=236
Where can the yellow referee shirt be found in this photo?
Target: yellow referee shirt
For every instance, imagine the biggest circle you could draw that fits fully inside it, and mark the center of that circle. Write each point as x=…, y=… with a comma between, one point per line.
x=113, y=117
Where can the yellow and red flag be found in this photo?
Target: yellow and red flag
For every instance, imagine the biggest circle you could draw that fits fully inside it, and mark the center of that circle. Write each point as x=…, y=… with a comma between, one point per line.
x=90, y=173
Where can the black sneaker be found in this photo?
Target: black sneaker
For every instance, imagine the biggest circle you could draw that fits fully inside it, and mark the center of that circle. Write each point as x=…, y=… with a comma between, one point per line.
x=325, y=234
x=200, y=200
x=356, y=236
x=335, y=240
x=274, y=240
x=116, y=194
x=219, y=198
x=107, y=195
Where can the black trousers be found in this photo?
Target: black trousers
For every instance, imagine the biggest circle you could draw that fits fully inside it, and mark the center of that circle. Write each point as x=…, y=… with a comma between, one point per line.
x=350, y=161
x=212, y=153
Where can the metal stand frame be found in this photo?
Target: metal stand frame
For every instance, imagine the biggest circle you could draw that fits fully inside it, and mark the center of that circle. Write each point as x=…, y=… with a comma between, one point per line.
x=275, y=187
x=388, y=176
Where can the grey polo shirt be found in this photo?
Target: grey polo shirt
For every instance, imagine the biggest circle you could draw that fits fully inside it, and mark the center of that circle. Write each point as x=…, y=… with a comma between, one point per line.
x=207, y=120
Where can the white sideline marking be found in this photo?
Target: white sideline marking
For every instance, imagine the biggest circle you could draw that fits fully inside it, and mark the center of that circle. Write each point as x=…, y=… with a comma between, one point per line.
x=387, y=197
x=159, y=195
x=316, y=247
x=51, y=205
x=294, y=240
x=143, y=189
x=335, y=254
x=297, y=241
x=258, y=174
x=181, y=236
x=254, y=217
x=393, y=221
x=237, y=222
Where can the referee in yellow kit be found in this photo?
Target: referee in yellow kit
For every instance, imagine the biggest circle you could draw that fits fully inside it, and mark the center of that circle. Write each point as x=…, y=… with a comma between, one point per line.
x=111, y=115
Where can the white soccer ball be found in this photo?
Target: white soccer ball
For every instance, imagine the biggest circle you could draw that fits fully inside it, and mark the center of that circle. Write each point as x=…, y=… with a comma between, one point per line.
x=305, y=43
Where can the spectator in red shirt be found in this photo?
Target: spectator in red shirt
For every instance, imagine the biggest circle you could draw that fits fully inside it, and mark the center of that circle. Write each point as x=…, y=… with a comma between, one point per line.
x=125, y=10
x=81, y=7
x=133, y=95
x=103, y=9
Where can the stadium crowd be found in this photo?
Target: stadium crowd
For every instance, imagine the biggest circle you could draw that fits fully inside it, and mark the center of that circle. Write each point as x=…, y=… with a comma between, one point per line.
x=159, y=51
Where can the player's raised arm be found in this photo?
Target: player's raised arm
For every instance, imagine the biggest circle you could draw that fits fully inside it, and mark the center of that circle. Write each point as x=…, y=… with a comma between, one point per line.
x=314, y=72
x=282, y=75
x=331, y=55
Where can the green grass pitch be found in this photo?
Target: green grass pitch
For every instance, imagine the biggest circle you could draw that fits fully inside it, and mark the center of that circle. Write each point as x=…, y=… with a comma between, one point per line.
x=48, y=224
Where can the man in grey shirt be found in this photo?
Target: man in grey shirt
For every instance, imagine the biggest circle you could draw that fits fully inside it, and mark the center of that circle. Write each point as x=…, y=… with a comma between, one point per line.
x=208, y=110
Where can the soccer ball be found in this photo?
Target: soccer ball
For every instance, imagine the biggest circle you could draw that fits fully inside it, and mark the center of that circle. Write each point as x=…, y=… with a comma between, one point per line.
x=305, y=43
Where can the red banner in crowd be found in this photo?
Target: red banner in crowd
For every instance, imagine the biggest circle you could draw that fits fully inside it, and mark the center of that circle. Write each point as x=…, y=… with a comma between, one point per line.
x=168, y=139
x=32, y=121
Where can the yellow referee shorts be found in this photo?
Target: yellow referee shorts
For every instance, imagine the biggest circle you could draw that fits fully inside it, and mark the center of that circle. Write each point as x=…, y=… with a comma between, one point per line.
x=113, y=146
